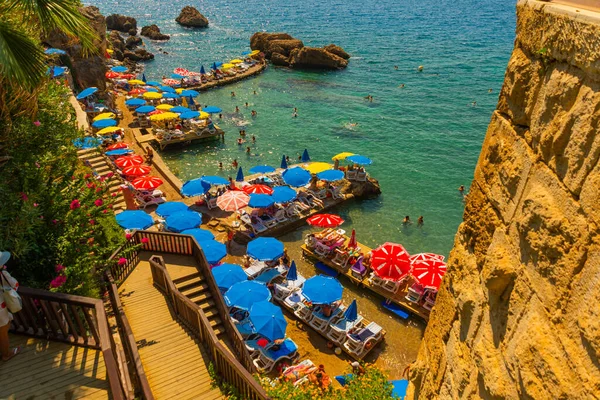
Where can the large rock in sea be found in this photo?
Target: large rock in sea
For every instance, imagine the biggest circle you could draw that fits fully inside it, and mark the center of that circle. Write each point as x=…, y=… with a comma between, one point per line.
x=280, y=60
x=313, y=57
x=270, y=43
x=121, y=23
x=133, y=41
x=153, y=32
x=189, y=16
x=86, y=69
x=337, y=50
x=138, y=55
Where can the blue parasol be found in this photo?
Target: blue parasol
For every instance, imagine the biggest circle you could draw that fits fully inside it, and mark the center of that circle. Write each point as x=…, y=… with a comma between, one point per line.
x=213, y=251
x=194, y=187
x=104, y=123
x=151, y=89
x=351, y=313
x=265, y=249
x=358, y=159
x=135, y=102
x=244, y=294
x=134, y=220
x=260, y=201
x=400, y=387
x=214, y=66
x=215, y=180
x=202, y=71
x=118, y=152
x=292, y=274
x=296, y=177
x=189, y=92
x=143, y=77
x=331, y=175
x=199, y=234
x=86, y=93
x=145, y=109
x=56, y=71
x=227, y=275
x=169, y=95
x=284, y=164
x=53, y=51
x=180, y=109
x=153, y=83
x=268, y=320
x=283, y=194
x=119, y=69
x=321, y=289
x=240, y=175
x=177, y=76
x=182, y=220
x=260, y=169
x=189, y=114
x=87, y=142
x=168, y=89
x=305, y=156
x=170, y=207
x=212, y=109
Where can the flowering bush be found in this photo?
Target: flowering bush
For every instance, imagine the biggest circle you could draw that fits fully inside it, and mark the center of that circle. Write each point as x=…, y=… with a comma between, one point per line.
x=57, y=218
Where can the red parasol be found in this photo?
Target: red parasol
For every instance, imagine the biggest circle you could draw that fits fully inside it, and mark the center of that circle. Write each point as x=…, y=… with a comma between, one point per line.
x=325, y=220
x=147, y=183
x=352, y=242
x=127, y=76
x=233, y=200
x=155, y=112
x=137, y=91
x=112, y=75
x=127, y=161
x=426, y=257
x=117, y=146
x=258, y=189
x=171, y=82
x=181, y=71
x=136, y=170
x=390, y=261
x=429, y=273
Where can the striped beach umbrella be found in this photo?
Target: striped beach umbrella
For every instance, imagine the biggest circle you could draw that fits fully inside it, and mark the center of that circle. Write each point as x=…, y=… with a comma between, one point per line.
x=429, y=273
x=147, y=183
x=258, y=189
x=390, y=261
x=117, y=146
x=233, y=200
x=325, y=220
x=127, y=161
x=136, y=170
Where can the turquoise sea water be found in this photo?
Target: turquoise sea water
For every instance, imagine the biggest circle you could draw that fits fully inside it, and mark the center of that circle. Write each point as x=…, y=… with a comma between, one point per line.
x=424, y=138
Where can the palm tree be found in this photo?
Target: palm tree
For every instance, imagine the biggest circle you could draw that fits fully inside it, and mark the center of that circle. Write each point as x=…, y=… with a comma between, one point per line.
x=22, y=24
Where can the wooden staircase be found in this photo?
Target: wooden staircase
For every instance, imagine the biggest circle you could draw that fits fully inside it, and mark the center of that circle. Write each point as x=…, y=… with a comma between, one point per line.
x=99, y=164
x=195, y=288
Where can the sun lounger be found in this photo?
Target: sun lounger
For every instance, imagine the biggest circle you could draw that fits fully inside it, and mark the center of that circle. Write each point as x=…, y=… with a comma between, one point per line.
x=340, y=258
x=351, y=175
x=281, y=291
x=356, y=343
x=253, y=347
x=415, y=293
x=288, y=350
x=429, y=300
x=294, y=300
x=320, y=322
x=298, y=372
x=337, y=331
x=303, y=312
x=319, y=194
x=255, y=269
x=280, y=216
x=390, y=286
x=267, y=276
x=244, y=327
x=292, y=211
x=212, y=203
x=145, y=201
x=268, y=221
x=361, y=176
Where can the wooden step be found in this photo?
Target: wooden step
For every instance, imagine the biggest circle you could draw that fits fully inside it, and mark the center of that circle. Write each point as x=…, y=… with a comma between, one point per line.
x=198, y=290
x=206, y=304
x=200, y=297
x=191, y=284
x=211, y=312
x=185, y=278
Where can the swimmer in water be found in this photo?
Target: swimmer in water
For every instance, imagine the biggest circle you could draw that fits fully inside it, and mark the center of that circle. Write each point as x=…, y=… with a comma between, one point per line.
x=395, y=67
x=253, y=113
x=401, y=86
x=253, y=139
x=246, y=104
x=240, y=141
x=232, y=94
x=248, y=149
x=406, y=221
x=234, y=164
x=220, y=165
x=461, y=189
x=490, y=90
x=220, y=116
x=255, y=92
x=420, y=221
x=474, y=103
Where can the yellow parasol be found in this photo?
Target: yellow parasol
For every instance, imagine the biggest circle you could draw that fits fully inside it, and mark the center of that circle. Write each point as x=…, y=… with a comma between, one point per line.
x=164, y=107
x=254, y=52
x=226, y=66
x=136, y=82
x=152, y=95
x=108, y=130
x=166, y=116
x=236, y=61
x=110, y=51
x=107, y=115
x=178, y=91
x=342, y=156
x=204, y=115
x=316, y=167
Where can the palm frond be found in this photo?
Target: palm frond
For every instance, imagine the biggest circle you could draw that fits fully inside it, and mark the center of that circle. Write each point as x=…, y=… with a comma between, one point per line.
x=22, y=60
x=63, y=15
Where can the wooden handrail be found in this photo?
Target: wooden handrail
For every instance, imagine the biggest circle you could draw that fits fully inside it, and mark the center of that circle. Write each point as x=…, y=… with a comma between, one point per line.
x=193, y=317
x=80, y=321
x=133, y=357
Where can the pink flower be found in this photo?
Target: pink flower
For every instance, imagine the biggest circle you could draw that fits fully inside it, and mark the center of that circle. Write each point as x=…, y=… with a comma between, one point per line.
x=144, y=240
x=54, y=221
x=24, y=196
x=37, y=123
x=59, y=268
x=113, y=194
x=37, y=164
x=122, y=261
x=104, y=211
x=128, y=236
x=35, y=204
x=98, y=189
x=87, y=176
x=75, y=204
x=58, y=281
x=109, y=175
x=92, y=222
x=98, y=202
x=90, y=185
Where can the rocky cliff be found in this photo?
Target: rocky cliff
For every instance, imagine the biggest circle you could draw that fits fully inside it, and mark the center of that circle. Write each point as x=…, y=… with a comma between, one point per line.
x=518, y=316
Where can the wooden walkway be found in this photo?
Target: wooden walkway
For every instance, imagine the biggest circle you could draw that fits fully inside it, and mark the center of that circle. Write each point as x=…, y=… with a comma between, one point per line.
x=53, y=370
x=175, y=365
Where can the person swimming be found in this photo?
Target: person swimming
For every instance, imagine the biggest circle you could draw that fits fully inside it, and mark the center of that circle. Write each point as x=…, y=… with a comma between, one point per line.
x=220, y=116
x=234, y=164
x=253, y=139
x=406, y=221
x=248, y=149
x=420, y=221
x=237, y=109
x=232, y=94
x=401, y=86
x=240, y=141
x=461, y=189
x=246, y=104
x=242, y=132
x=255, y=92
x=220, y=165
x=253, y=113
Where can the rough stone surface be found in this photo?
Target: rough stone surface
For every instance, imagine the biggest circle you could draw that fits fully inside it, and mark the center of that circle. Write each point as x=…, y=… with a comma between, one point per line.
x=189, y=16
x=153, y=32
x=518, y=315
x=313, y=57
x=337, y=50
x=284, y=50
x=87, y=69
x=138, y=55
x=121, y=23
x=133, y=41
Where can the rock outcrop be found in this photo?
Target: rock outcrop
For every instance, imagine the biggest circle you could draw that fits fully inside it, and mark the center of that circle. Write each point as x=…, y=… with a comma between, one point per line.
x=284, y=50
x=86, y=69
x=518, y=315
x=121, y=23
x=153, y=32
x=138, y=54
x=133, y=41
x=128, y=49
x=189, y=16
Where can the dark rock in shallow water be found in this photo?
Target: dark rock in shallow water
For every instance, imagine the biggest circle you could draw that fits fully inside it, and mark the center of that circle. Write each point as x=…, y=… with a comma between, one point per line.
x=337, y=50
x=153, y=32
x=133, y=41
x=270, y=43
x=189, y=16
x=138, y=55
x=121, y=23
x=313, y=57
x=279, y=59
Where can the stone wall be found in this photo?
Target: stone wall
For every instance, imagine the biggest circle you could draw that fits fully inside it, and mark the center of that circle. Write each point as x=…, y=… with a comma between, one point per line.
x=518, y=315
